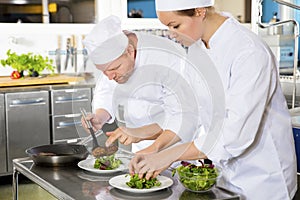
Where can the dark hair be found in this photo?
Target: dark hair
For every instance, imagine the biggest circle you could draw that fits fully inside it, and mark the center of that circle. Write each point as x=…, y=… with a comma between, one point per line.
x=191, y=12
x=188, y=12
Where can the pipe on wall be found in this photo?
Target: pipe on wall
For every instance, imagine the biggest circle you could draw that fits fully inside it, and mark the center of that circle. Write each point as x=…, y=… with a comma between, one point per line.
x=46, y=17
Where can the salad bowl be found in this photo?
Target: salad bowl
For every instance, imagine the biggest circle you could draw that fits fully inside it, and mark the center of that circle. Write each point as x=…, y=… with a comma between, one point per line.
x=197, y=178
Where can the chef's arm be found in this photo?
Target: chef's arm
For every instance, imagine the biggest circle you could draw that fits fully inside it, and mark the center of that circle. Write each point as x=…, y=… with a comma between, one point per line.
x=158, y=162
x=164, y=140
x=150, y=132
x=102, y=115
x=128, y=136
x=187, y=151
x=102, y=99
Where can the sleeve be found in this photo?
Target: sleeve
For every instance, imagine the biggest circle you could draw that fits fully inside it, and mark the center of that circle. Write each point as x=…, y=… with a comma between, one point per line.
x=246, y=97
x=180, y=104
x=102, y=97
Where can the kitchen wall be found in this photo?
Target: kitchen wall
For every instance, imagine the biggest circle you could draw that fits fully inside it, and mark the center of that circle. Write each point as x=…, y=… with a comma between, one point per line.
x=236, y=8
x=42, y=39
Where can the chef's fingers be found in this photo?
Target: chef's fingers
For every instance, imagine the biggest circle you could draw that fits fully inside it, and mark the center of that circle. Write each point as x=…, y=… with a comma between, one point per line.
x=142, y=168
x=128, y=141
x=84, y=125
x=149, y=174
x=156, y=173
x=89, y=116
x=125, y=130
x=113, y=136
x=109, y=133
x=123, y=139
x=133, y=164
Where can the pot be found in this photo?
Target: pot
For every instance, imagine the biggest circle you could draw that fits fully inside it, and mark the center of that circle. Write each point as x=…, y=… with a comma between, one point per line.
x=57, y=154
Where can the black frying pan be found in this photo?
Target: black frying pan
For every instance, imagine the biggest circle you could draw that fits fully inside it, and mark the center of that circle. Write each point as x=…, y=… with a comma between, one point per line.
x=57, y=154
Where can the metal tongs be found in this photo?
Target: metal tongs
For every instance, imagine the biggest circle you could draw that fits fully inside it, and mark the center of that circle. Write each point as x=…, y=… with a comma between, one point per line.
x=90, y=127
x=97, y=150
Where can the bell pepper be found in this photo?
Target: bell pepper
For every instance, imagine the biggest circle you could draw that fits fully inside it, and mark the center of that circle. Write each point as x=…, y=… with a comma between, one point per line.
x=15, y=75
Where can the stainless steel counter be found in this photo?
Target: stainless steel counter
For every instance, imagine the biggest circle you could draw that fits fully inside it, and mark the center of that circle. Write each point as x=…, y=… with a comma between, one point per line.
x=74, y=183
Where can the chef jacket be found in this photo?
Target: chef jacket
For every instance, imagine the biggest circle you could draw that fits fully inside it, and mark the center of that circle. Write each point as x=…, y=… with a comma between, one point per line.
x=256, y=147
x=156, y=92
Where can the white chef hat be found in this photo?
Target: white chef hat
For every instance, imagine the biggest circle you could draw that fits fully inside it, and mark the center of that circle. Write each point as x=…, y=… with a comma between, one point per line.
x=106, y=41
x=173, y=5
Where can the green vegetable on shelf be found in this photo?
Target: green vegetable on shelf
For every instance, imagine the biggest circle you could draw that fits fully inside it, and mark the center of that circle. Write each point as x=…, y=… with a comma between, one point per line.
x=107, y=163
x=143, y=183
x=33, y=64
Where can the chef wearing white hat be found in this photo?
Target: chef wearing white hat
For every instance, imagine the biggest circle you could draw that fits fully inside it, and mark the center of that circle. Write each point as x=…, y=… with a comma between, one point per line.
x=256, y=149
x=171, y=5
x=106, y=41
x=133, y=95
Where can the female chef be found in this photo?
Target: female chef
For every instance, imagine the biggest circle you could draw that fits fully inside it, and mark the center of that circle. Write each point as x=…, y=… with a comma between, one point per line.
x=256, y=148
x=143, y=85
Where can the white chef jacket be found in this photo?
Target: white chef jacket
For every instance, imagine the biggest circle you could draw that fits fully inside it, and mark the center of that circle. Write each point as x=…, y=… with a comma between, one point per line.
x=256, y=148
x=144, y=102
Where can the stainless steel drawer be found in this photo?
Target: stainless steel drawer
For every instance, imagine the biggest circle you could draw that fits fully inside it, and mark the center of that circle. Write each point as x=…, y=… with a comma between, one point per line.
x=70, y=100
x=27, y=122
x=3, y=164
x=67, y=127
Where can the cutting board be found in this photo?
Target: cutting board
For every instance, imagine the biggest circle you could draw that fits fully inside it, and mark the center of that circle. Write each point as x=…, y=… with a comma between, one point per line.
x=6, y=81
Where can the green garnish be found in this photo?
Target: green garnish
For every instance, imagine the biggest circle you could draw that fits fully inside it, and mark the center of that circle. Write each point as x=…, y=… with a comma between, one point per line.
x=197, y=178
x=107, y=163
x=143, y=183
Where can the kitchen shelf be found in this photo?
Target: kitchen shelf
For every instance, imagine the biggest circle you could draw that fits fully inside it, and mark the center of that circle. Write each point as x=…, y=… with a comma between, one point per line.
x=6, y=81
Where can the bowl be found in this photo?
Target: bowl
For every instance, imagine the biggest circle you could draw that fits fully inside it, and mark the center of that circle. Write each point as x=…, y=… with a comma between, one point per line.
x=198, y=178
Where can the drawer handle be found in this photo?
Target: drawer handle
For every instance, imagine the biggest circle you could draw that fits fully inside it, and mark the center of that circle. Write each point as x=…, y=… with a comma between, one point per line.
x=67, y=124
x=67, y=99
x=72, y=115
x=28, y=102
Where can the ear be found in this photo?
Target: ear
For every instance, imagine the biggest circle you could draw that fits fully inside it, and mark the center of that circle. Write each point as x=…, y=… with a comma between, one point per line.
x=200, y=12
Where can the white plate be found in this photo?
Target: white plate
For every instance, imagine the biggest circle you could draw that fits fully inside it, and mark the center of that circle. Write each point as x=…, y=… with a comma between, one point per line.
x=88, y=165
x=120, y=183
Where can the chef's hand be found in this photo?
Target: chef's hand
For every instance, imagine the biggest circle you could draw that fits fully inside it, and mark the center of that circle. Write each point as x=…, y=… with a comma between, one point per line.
x=154, y=163
x=97, y=119
x=150, y=164
x=96, y=123
x=128, y=136
x=125, y=136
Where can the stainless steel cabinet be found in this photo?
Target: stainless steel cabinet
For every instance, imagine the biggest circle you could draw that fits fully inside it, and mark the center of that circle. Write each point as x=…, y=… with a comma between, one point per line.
x=27, y=122
x=66, y=116
x=3, y=163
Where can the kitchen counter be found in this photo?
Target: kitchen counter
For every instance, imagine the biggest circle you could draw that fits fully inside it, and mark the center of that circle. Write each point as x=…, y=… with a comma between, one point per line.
x=6, y=81
x=62, y=81
x=74, y=183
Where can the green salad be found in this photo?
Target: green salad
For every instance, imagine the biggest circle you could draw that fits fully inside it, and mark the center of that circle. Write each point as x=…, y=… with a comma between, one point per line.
x=197, y=178
x=142, y=183
x=107, y=163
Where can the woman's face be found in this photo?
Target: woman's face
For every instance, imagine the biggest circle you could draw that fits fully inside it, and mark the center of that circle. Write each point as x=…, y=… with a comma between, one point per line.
x=185, y=29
